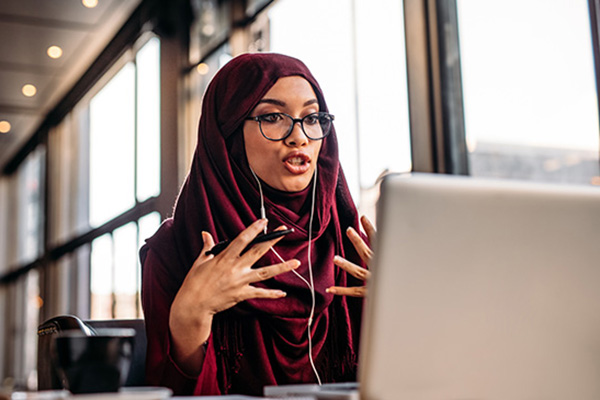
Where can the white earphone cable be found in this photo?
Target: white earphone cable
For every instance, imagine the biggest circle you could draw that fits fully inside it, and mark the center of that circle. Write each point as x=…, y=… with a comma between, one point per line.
x=263, y=213
x=310, y=274
x=310, y=284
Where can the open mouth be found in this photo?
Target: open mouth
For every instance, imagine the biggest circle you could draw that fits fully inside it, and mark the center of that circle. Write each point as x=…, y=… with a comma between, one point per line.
x=297, y=163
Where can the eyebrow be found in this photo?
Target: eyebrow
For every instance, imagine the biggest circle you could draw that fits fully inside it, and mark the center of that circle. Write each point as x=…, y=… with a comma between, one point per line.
x=282, y=103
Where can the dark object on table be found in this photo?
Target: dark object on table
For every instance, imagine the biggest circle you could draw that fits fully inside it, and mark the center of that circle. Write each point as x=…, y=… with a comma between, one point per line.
x=94, y=364
x=48, y=378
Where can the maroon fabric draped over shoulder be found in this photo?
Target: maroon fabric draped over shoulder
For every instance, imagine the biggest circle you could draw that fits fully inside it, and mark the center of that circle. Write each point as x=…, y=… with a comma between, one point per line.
x=258, y=342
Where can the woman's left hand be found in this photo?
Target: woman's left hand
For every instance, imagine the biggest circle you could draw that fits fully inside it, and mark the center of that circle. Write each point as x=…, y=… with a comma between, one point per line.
x=365, y=253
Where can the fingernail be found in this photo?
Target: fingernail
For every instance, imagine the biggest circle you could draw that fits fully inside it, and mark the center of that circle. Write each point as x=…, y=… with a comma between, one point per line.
x=281, y=293
x=330, y=290
x=294, y=264
x=337, y=258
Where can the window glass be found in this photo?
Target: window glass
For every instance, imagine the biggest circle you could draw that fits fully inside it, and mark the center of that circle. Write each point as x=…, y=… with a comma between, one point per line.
x=126, y=271
x=116, y=271
x=112, y=147
x=384, y=139
x=102, y=278
x=531, y=109
x=148, y=120
x=30, y=226
x=31, y=318
x=148, y=225
x=23, y=298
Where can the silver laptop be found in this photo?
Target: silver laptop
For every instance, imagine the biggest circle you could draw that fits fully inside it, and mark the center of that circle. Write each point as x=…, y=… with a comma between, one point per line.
x=483, y=289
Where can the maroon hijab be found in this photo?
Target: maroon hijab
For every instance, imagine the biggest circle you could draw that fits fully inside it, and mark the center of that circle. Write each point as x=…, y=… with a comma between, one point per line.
x=261, y=342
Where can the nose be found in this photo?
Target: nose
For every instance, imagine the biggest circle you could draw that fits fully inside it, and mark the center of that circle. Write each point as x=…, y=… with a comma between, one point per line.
x=297, y=137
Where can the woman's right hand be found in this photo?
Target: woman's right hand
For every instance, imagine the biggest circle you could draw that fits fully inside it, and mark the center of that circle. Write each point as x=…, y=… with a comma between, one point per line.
x=214, y=284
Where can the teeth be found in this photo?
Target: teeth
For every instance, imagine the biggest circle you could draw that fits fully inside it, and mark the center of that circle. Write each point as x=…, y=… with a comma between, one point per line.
x=296, y=161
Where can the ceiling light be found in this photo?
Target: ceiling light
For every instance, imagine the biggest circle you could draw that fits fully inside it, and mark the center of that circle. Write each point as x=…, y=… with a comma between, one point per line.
x=90, y=3
x=29, y=90
x=203, y=68
x=4, y=126
x=54, y=52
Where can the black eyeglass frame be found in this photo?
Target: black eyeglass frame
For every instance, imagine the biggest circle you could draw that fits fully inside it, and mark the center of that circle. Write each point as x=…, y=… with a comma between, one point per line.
x=294, y=121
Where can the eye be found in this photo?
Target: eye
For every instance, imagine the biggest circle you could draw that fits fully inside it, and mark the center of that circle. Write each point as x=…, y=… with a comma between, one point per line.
x=311, y=119
x=272, y=118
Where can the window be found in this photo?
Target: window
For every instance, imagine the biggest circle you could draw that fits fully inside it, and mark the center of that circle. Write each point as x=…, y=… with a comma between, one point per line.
x=125, y=138
x=112, y=148
x=21, y=300
x=102, y=278
x=79, y=197
x=30, y=247
x=104, y=180
x=116, y=272
x=30, y=206
x=124, y=171
x=531, y=108
x=148, y=121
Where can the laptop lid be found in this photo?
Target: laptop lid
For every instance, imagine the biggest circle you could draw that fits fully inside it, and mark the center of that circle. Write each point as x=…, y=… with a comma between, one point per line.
x=483, y=289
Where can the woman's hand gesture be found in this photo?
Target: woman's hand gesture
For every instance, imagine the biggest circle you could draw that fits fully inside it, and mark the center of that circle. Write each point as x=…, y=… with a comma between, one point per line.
x=216, y=283
x=365, y=253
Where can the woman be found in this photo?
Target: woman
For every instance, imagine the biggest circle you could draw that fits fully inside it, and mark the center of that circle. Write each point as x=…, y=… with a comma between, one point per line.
x=237, y=321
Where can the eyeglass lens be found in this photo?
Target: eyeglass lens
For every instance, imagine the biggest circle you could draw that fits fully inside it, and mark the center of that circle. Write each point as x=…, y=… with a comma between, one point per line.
x=277, y=126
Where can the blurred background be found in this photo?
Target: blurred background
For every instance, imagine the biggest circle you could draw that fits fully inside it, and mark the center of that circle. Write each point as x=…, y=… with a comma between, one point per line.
x=100, y=101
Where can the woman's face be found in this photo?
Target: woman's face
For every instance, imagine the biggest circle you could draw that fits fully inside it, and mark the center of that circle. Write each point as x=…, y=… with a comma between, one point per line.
x=288, y=164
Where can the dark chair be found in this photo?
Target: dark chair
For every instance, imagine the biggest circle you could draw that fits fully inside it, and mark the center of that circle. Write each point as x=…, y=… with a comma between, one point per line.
x=48, y=378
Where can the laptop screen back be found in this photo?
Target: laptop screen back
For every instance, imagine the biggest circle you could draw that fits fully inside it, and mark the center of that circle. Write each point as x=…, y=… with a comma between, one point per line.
x=483, y=289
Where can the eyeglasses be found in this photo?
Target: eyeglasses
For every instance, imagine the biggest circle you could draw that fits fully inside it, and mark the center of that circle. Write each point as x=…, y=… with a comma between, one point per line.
x=278, y=126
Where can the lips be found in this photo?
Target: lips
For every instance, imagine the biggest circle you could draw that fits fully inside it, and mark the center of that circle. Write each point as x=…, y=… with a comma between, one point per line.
x=297, y=162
